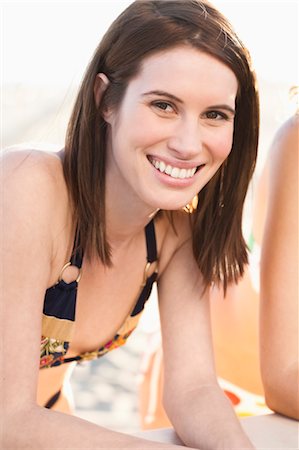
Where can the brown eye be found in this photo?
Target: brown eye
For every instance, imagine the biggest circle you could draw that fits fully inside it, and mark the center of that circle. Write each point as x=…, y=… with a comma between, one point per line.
x=163, y=106
x=216, y=115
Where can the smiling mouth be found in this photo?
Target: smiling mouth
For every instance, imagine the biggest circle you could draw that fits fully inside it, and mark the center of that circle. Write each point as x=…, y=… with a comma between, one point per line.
x=172, y=171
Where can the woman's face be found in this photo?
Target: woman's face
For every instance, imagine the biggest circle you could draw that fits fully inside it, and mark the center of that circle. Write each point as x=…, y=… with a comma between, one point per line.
x=173, y=129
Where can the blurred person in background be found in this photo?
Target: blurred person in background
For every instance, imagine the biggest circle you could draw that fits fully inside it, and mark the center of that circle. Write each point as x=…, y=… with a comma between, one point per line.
x=166, y=117
x=279, y=275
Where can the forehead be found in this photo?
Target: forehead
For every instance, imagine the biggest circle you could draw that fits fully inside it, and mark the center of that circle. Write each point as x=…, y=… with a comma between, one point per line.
x=185, y=69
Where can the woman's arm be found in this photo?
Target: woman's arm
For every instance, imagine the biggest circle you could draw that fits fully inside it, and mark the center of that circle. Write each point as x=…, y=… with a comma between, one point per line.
x=279, y=276
x=199, y=411
x=32, y=218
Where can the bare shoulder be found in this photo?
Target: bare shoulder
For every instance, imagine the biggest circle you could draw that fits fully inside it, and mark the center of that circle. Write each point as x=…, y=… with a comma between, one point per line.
x=35, y=204
x=286, y=139
x=176, y=232
x=36, y=164
x=34, y=174
x=291, y=126
x=34, y=193
x=283, y=159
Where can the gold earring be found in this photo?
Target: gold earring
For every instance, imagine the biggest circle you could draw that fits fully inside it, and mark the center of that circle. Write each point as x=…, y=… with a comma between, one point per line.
x=191, y=206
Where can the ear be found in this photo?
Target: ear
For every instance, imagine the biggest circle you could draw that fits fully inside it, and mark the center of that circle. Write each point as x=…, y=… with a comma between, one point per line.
x=100, y=86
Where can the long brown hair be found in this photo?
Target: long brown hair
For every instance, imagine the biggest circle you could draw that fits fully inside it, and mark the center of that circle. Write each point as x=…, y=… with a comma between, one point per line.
x=142, y=29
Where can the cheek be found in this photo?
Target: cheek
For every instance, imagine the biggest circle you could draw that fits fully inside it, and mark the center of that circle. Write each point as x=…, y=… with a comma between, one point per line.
x=222, y=143
x=141, y=129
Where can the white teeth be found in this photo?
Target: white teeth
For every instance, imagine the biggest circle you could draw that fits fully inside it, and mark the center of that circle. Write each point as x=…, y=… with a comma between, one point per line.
x=168, y=170
x=183, y=173
x=174, y=172
x=162, y=166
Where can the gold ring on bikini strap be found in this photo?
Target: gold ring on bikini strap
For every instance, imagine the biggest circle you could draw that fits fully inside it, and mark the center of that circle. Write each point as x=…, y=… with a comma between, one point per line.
x=147, y=268
x=68, y=264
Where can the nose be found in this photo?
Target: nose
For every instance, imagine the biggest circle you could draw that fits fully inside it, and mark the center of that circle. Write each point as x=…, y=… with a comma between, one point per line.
x=186, y=140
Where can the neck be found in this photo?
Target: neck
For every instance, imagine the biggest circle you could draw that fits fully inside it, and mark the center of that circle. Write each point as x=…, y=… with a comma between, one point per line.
x=126, y=216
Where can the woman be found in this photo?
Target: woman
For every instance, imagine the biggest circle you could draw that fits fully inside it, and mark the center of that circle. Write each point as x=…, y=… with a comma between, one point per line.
x=167, y=110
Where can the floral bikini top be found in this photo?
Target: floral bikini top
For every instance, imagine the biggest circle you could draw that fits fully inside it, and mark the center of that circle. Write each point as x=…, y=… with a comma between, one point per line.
x=59, y=312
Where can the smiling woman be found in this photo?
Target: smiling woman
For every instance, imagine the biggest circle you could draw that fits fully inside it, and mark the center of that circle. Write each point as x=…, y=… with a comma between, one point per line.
x=167, y=112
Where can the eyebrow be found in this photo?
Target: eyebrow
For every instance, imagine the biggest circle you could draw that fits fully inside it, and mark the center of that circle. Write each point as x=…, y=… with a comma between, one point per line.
x=225, y=107
x=177, y=99
x=163, y=94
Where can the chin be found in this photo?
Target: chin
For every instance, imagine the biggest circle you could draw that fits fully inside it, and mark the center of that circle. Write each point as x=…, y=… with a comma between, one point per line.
x=171, y=206
x=166, y=201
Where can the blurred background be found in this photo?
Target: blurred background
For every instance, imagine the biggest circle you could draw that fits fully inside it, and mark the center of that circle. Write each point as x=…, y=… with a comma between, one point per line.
x=45, y=47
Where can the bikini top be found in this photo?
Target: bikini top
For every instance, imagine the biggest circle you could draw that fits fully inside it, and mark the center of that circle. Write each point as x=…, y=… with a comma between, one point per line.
x=59, y=311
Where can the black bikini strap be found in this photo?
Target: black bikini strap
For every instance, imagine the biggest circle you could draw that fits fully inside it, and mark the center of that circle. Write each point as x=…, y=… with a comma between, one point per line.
x=54, y=399
x=151, y=244
x=77, y=255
